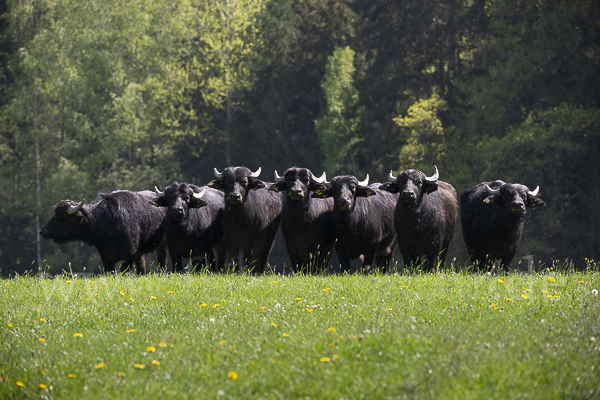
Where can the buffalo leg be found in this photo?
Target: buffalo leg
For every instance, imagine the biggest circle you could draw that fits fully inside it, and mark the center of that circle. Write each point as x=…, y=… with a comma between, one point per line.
x=221, y=257
x=344, y=260
x=109, y=266
x=161, y=256
x=140, y=264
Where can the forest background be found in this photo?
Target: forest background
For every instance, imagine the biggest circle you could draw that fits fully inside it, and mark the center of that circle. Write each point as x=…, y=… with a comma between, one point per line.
x=115, y=94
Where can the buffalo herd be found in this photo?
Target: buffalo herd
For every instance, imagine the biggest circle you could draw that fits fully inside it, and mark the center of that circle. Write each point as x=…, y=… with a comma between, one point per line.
x=238, y=211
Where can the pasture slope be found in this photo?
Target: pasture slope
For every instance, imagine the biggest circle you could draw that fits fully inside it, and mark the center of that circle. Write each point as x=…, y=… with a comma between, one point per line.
x=194, y=336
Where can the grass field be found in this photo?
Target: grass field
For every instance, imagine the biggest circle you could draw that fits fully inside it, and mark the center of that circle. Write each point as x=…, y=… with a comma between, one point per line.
x=442, y=336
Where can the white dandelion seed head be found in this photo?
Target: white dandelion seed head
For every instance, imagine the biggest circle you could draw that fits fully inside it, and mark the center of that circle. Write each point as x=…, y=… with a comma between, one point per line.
x=594, y=292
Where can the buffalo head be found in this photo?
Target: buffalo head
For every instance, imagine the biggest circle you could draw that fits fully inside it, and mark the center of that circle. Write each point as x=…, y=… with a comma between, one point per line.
x=179, y=198
x=344, y=189
x=235, y=182
x=412, y=184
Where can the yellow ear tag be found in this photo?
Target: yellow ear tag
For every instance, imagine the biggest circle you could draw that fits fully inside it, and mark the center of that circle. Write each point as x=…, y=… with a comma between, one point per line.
x=81, y=220
x=275, y=188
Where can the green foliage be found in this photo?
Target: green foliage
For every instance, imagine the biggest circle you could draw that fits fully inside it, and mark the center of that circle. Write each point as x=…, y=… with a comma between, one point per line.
x=427, y=336
x=336, y=127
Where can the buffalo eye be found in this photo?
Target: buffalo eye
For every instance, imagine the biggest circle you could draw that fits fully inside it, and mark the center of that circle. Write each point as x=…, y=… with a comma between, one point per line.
x=353, y=187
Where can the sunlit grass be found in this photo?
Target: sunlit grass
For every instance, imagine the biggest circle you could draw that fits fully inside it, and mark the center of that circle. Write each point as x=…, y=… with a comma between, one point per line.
x=448, y=335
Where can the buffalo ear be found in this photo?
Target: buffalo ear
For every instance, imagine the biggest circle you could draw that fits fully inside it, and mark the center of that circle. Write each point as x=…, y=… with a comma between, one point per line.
x=430, y=187
x=365, y=191
x=391, y=187
x=82, y=219
x=256, y=184
x=532, y=202
x=158, y=202
x=321, y=191
x=197, y=203
x=216, y=184
x=277, y=187
x=491, y=199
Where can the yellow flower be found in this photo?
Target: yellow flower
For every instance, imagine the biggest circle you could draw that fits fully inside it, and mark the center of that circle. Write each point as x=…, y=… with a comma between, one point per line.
x=42, y=386
x=297, y=299
x=131, y=299
x=77, y=334
x=493, y=304
x=551, y=279
x=326, y=289
x=97, y=294
x=389, y=309
x=131, y=331
x=549, y=296
x=20, y=384
x=500, y=281
x=580, y=282
x=162, y=345
x=286, y=335
x=524, y=296
x=216, y=306
x=325, y=359
x=152, y=298
x=508, y=299
x=331, y=330
x=262, y=307
x=71, y=375
x=170, y=292
x=10, y=325
x=232, y=375
x=273, y=324
x=98, y=366
x=42, y=319
x=42, y=339
x=122, y=294
x=138, y=366
x=7, y=283
x=155, y=362
x=121, y=374
x=151, y=349
x=203, y=305
x=309, y=310
x=222, y=342
x=544, y=291
x=68, y=281
x=405, y=287
x=335, y=356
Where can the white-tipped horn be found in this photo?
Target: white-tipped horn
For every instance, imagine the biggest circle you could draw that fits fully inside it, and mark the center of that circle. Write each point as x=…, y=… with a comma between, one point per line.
x=278, y=178
x=256, y=174
x=321, y=179
x=218, y=174
x=365, y=182
x=391, y=177
x=158, y=192
x=535, y=192
x=200, y=195
x=492, y=191
x=74, y=209
x=434, y=177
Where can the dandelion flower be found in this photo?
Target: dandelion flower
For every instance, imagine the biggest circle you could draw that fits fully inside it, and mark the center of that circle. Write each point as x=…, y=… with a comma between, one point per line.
x=139, y=366
x=222, y=342
x=262, y=307
x=152, y=298
x=580, y=282
x=500, y=281
x=170, y=292
x=98, y=366
x=286, y=335
x=155, y=362
x=297, y=299
x=131, y=331
x=331, y=330
x=594, y=292
x=77, y=334
x=326, y=289
x=42, y=339
x=524, y=296
x=71, y=375
x=551, y=279
x=122, y=294
x=42, y=386
x=203, y=305
x=508, y=299
x=151, y=349
x=273, y=324
x=335, y=356
x=389, y=309
x=10, y=325
x=325, y=359
x=309, y=310
x=233, y=375
x=42, y=319
x=121, y=374
x=162, y=345
x=405, y=287
x=20, y=384
x=216, y=306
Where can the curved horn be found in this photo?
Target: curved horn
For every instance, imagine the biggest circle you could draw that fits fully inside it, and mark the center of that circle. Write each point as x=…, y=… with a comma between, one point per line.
x=492, y=191
x=256, y=173
x=218, y=174
x=321, y=179
x=365, y=182
x=74, y=209
x=391, y=177
x=535, y=192
x=434, y=177
x=158, y=192
x=278, y=178
x=200, y=195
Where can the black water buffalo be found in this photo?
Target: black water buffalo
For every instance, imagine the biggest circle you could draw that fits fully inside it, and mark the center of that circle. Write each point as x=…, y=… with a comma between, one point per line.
x=492, y=216
x=121, y=225
x=251, y=215
x=193, y=225
x=424, y=217
x=362, y=221
x=305, y=221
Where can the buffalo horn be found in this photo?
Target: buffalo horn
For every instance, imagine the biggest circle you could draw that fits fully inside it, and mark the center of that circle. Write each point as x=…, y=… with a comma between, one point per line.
x=218, y=174
x=74, y=209
x=492, y=191
x=434, y=177
x=391, y=177
x=158, y=192
x=321, y=179
x=256, y=174
x=198, y=196
x=278, y=178
x=365, y=182
x=535, y=192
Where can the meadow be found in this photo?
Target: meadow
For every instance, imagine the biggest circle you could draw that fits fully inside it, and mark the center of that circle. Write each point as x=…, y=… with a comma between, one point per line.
x=197, y=336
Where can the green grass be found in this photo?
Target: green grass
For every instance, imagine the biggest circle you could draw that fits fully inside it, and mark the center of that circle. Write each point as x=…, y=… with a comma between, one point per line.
x=385, y=336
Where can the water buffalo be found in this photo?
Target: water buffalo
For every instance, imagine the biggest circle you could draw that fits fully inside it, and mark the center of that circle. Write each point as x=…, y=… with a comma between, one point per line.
x=251, y=215
x=492, y=217
x=424, y=216
x=305, y=221
x=362, y=221
x=121, y=225
x=193, y=225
